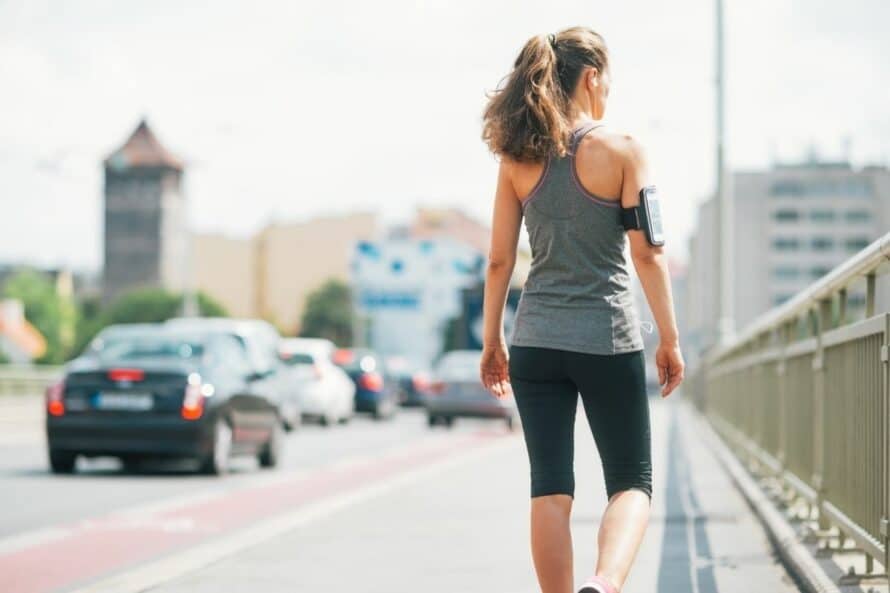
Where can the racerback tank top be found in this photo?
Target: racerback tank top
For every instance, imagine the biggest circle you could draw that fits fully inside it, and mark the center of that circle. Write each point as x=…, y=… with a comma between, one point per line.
x=578, y=292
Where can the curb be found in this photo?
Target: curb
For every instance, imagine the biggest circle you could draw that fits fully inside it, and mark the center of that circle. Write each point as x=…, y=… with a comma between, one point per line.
x=797, y=559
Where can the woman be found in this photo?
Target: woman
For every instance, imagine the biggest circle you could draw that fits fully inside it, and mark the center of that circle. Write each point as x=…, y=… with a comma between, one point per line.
x=576, y=327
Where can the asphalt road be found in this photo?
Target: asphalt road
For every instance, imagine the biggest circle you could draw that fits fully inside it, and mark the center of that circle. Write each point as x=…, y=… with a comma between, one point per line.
x=32, y=498
x=372, y=506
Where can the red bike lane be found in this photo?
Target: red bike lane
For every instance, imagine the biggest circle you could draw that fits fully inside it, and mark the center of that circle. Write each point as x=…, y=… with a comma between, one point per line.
x=94, y=548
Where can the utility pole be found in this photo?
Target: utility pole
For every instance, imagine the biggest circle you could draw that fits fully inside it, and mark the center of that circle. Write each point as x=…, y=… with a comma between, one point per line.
x=725, y=271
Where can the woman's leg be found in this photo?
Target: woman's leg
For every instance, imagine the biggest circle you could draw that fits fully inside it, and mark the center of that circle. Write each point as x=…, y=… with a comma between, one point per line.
x=621, y=532
x=613, y=389
x=551, y=542
x=547, y=402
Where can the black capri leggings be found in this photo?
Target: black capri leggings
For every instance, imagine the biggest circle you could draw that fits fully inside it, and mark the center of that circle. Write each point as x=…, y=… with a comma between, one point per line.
x=546, y=383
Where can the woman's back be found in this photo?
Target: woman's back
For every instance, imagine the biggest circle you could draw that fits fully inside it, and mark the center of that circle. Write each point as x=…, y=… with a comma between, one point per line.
x=577, y=295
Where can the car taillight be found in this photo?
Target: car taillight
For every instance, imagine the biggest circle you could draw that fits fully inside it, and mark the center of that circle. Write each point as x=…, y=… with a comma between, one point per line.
x=436, y=387
x=196, y=393
x=126, y=374
x=55, y=402
x=421, y=382
x=371, y=381
x=342, y=356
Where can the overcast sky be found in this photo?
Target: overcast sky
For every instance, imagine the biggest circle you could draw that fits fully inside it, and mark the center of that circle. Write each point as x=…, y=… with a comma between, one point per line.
x=285, y=112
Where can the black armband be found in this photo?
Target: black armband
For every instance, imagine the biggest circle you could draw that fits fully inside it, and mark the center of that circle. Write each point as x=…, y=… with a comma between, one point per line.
x=646, y=216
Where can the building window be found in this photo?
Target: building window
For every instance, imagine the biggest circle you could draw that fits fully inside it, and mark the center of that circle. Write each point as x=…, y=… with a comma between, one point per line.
x=858, y=216
x=781, y=298
x=822, y=215
x=857, y=187
x=397, y=265
x=786, y=272
x=787, y=188
x=857, y=243
x=822, y=243
x=819, y=271
x=786, y=215
x=786, y=243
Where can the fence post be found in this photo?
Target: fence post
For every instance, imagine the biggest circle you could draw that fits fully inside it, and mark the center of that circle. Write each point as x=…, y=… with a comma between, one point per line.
x=785, y=337
x=885, y=426
x=821, y=320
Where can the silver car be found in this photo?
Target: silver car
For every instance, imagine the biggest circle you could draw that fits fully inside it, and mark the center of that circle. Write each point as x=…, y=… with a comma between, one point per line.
x=456, y=390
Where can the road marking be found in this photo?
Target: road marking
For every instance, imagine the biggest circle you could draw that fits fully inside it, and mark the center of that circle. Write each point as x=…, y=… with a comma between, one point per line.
x=95, y=548
x=181, y=563
x=218, y=490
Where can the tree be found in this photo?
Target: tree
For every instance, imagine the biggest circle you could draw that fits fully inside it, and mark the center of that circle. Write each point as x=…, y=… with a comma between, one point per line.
x=148, y=305
x=54, y=315
x=328, y=313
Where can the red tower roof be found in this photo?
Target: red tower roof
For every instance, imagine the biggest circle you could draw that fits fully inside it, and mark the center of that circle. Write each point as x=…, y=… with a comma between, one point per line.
x=142, y=149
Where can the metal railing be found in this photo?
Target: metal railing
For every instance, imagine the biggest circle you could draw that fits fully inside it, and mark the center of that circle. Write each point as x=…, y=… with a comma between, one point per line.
x=803, y=393
x=16, y=379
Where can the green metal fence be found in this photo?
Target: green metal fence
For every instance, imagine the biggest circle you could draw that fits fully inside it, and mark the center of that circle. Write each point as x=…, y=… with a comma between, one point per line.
x=804, y=393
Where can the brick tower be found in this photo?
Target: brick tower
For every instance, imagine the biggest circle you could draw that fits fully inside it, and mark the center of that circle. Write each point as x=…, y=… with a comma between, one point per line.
x=146, y=235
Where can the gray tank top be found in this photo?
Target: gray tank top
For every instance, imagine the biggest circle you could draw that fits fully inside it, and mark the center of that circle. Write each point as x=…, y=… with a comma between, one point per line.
x=578, y=293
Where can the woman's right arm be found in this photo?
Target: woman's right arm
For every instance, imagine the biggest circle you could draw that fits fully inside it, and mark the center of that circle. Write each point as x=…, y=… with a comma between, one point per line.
x=651, y=266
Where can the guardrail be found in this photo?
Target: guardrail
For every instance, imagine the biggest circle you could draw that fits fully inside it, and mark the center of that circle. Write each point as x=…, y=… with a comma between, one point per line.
x=803, y=394
x=18, y=379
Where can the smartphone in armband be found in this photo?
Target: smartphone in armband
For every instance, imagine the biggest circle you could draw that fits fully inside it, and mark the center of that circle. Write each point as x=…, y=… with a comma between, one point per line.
x=646, y=216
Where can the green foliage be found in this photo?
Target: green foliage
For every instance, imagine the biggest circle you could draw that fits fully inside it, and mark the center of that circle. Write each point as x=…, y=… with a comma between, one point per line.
x=149, y=305
x=328, y=313
x=53, y=315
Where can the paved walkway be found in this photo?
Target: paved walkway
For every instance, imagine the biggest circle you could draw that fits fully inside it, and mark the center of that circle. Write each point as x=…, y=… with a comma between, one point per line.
x=462, y=527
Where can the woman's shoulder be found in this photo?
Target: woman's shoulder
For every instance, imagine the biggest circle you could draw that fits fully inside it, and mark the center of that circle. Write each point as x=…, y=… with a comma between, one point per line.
x=621, y=143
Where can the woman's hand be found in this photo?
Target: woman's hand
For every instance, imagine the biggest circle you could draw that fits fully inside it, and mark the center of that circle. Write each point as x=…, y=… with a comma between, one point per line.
x=670, y=365
x=494, y=372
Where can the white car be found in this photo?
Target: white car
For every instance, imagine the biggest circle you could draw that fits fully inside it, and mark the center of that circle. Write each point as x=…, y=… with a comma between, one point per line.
x=326, y=392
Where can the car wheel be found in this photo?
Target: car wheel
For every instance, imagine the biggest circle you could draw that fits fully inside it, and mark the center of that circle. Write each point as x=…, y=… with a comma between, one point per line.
x=62, y=462
x=448, y=420
x=432, y=420
x=217, y=463
x=511, y=423
x=271, y=453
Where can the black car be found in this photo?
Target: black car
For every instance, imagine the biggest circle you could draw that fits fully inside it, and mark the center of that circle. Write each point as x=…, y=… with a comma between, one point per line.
x=155, y=391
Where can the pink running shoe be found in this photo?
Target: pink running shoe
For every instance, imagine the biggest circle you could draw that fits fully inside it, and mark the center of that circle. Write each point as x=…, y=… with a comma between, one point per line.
x=597, y=584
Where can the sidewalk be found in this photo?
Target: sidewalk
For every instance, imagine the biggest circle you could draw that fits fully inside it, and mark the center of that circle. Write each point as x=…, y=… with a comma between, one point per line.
x=464, y=529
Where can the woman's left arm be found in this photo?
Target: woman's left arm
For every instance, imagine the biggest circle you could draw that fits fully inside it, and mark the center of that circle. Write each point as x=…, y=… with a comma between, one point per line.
x=505, y=227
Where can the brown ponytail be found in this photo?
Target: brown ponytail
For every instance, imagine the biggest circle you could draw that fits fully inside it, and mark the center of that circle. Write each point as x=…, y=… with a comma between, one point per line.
x=527, y=119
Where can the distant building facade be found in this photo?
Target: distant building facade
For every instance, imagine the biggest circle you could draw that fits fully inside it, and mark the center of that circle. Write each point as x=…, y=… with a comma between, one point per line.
x=408, y=290
x=146, y=232
x=792, y=225
x=271, y=273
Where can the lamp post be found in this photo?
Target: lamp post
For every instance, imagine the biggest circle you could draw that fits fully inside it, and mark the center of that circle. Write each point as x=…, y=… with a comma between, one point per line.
x=725, y=271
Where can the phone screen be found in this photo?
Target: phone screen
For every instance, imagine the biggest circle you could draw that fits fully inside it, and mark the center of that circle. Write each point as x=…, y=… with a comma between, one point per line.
x=654, y=211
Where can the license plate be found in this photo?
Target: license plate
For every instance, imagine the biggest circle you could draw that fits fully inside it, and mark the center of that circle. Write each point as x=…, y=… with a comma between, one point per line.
x=105, y=400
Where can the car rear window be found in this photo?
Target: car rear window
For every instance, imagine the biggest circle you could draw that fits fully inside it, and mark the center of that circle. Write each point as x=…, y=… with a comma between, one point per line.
x=460, y=367
x=295, y=358
x=148, y=346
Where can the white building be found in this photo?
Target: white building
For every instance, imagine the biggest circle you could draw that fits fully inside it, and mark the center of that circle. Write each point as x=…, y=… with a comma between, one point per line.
x=792, y=225
x=406, y=291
